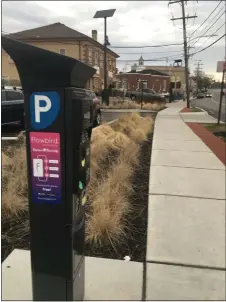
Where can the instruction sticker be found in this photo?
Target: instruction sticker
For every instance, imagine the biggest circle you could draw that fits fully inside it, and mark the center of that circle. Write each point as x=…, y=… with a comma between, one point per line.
x=46, y=167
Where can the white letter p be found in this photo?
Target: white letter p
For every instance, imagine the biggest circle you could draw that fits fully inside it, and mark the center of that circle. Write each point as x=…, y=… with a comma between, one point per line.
x=39, y=109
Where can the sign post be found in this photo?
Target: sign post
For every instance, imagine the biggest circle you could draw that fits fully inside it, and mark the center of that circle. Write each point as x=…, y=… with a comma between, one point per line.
x=221, y=67
x=142, y=94
x=58, y=123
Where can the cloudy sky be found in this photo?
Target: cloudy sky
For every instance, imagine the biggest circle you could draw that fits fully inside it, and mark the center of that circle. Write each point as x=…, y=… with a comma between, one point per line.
x=135, y=23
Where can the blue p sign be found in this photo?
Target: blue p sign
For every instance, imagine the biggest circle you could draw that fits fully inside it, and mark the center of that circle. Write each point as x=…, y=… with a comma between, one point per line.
x=44, y=109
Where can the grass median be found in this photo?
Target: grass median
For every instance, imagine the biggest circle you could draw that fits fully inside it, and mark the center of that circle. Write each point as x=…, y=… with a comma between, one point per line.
x=218, y=130
x=116, y=211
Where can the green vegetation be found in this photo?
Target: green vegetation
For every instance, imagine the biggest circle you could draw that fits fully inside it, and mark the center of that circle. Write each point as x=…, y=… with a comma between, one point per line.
x=218, y=130
x=194, y=109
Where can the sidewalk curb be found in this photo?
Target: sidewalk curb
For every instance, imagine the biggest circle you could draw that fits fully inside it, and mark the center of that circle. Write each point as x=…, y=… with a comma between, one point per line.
x=215, y=144
x=202, y=110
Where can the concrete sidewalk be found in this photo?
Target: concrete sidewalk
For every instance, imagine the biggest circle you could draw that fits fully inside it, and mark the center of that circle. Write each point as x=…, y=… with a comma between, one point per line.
x=186, y=229
x=186, y=221
x=105, y=279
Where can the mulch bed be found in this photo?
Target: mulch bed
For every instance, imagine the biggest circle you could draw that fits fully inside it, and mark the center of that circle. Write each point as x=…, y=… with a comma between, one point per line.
x=15, y=234
x=216, y=145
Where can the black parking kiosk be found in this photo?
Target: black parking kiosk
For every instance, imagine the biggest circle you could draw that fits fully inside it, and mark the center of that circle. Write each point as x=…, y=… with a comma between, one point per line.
x=58, y=119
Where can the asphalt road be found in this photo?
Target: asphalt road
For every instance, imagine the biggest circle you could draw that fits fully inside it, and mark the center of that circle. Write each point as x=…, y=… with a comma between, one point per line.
x=211, y=105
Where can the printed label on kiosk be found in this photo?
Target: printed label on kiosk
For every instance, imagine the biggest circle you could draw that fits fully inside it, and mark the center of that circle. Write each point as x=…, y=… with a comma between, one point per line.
x=46, y=167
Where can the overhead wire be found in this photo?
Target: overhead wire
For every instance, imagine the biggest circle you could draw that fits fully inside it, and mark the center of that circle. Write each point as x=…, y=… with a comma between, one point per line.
x=148, y=46
x=146, y=53
x=118, y=60
x=194, y=13
x=205, y=19
x=208, y=45
x=211, y=35
x=215, y=21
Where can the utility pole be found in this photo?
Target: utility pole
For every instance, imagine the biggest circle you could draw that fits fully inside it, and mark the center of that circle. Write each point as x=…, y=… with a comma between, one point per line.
x=221, y=93
x=183, y=18
x=198, y=69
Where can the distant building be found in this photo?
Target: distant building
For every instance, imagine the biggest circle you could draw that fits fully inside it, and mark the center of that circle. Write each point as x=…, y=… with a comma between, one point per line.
x=156, y=80
x=177, y=74
x=64, y=40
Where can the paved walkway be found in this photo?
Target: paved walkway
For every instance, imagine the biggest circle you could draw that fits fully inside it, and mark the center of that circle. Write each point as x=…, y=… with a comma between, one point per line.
x=186, y=227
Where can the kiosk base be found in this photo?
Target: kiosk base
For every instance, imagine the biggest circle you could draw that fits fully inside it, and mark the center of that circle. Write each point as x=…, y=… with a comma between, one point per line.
x=52, y=288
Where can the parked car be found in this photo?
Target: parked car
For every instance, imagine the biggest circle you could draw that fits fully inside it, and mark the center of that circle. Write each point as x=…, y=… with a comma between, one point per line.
x=164, y=94
x=200, y=95
x=12, y=106
x=96, y=108
x=148, y=94
x=209, y=95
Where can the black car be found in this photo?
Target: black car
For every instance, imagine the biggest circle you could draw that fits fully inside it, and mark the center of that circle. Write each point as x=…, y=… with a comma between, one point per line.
x=12, y=106
x=201, y=95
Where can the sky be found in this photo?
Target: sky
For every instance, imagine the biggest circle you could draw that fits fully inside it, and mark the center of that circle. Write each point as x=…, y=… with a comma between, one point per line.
x=135, y=23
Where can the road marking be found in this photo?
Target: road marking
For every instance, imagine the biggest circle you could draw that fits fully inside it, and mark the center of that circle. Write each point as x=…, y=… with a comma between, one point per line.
x=218, y=103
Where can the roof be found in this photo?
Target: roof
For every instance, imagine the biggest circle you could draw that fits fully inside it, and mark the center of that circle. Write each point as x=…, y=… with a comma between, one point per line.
x=150, y=72
x=141, y=58
x=57, y=31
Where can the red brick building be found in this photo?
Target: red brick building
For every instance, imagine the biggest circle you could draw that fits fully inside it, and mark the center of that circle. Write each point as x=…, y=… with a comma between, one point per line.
x=156, y=80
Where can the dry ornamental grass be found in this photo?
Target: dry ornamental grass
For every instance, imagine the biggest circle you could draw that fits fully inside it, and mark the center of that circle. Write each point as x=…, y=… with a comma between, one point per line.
x=14, y=183
x=110, y=204
x=114, y=160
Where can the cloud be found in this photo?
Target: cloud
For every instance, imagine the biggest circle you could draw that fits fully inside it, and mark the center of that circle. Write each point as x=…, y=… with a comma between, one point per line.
x=135, y=23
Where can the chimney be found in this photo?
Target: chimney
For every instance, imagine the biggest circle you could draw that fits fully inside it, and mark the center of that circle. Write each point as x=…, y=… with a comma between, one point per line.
x=94, y=34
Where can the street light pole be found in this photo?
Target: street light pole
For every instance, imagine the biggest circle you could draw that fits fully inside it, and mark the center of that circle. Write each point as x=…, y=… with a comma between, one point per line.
x=105, y=14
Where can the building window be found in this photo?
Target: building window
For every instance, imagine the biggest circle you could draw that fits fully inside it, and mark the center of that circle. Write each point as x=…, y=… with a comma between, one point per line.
x=139, y=85
x=101, y=61
x=96, y=58
x=62, y=51
x=164, y=85
x=113, y=66
x=145, y=85
x=90, y=56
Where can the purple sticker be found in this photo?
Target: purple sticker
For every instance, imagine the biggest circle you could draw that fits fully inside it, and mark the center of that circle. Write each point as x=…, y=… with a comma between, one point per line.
x=46, y=167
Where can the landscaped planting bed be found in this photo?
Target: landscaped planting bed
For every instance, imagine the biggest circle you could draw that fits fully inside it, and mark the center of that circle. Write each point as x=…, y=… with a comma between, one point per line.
x=119, y=103
x=117, y=207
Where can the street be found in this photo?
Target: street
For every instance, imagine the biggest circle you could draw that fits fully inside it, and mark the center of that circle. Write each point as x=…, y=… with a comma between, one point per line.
x=211, y=105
